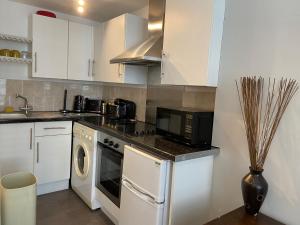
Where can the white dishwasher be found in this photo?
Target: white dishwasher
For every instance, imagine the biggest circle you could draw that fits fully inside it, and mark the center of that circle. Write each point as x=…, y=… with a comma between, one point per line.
x=145, y=189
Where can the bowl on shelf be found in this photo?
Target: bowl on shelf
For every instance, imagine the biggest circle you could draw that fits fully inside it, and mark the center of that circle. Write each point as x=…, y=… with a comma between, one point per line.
x=5, y=52
x=15, y=54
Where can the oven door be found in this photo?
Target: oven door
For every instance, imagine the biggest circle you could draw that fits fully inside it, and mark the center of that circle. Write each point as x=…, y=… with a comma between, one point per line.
x=109, y=173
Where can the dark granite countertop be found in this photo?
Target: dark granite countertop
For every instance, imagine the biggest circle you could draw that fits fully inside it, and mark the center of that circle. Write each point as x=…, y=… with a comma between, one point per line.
x=153, y=144
x=45, y=117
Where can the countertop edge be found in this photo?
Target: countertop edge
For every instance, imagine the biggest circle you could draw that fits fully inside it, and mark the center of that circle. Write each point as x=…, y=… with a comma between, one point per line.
x=156, y=152
x=32, y=120
x=143, y=147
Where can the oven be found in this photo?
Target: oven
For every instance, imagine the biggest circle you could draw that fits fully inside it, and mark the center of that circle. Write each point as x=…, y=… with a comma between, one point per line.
x=109, y=167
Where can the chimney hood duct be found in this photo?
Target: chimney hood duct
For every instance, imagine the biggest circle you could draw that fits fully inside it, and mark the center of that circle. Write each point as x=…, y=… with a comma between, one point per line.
x=149, y=52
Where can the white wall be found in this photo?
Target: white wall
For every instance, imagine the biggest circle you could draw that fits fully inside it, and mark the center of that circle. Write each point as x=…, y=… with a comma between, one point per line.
x=15, y=18
x=261, y=37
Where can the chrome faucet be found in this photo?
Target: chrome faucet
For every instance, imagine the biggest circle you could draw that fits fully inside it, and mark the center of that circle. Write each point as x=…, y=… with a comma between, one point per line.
x=27, y=108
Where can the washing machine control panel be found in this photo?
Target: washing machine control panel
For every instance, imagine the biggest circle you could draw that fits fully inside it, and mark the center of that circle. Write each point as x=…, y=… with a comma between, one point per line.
x=86, y=135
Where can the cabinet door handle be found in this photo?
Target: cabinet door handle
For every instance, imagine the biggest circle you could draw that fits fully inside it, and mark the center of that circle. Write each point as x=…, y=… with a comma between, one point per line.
x=93, y=68
x=30, y=141
x=35, y=62
x=123, y=69
x=37, y=152
x=54, y=128
x=89, y=67
x=162, y=64
x=119, y=73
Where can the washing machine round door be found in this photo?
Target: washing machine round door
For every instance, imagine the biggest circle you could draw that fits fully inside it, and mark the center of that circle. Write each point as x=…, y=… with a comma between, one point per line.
x=81, y=161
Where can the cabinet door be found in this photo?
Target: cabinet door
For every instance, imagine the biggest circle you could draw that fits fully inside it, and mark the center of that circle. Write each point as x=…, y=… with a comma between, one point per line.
x=52, y=158
x=192, y=42
x=80, y=65
x=112, y=44
x=16, y=151
x=111, y=39
x=49, y=47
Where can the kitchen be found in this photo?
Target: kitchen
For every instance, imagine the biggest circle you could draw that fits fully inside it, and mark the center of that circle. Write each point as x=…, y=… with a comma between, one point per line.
x=96, y=55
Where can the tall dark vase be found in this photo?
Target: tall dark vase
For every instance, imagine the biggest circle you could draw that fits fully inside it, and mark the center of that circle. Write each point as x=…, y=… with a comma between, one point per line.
x=254, y=189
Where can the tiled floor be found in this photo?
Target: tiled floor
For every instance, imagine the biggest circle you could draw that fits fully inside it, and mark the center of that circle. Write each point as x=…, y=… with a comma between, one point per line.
x=66, y=208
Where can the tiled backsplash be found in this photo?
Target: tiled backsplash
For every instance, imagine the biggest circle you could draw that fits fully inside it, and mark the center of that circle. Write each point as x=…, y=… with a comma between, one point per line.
x=48, y=95
x=202, y=98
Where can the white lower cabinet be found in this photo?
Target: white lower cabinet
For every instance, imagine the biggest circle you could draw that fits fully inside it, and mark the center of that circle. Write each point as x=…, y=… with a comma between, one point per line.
x=52, y=158
x=43, y=149
x=52, y=155
x=16, y=148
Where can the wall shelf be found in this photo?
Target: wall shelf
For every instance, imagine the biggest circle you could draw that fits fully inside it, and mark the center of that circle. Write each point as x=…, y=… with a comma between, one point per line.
x=15, y=60
x=8, y=37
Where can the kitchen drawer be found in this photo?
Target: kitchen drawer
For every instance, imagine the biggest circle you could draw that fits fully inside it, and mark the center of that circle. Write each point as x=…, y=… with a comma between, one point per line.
x=53, y=128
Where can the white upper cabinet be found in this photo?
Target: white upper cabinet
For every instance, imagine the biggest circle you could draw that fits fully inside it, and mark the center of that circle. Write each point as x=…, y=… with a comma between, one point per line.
x=192, y=42
x=81, y=59
x=49, y=47
x=111, y=39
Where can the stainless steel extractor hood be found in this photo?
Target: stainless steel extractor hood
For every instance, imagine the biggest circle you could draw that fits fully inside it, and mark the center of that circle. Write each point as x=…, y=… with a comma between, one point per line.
x=148, y=52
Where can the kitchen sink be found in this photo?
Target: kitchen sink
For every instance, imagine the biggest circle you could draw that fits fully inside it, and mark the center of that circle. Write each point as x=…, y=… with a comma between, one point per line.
x=12, y=116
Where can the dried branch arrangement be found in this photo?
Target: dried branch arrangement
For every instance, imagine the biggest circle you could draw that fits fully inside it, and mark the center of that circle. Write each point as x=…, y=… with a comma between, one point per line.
x=262, y=113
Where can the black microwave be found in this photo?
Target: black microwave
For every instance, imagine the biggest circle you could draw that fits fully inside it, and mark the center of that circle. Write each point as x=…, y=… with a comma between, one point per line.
x=189, y=126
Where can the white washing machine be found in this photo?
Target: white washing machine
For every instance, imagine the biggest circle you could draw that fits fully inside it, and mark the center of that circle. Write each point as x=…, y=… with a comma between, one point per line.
x=84, y=164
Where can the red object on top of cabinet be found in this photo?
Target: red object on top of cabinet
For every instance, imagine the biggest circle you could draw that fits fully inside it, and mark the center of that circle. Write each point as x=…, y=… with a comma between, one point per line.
x=46, y=13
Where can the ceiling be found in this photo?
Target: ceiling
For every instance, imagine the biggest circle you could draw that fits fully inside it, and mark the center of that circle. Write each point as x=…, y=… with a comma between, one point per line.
x=99, y=10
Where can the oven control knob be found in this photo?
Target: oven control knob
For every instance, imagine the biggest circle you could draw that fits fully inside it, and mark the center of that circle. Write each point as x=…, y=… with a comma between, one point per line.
x=105, y=140
x=111, y=143
x=142, y=133
x=136, y=133
x=116, y=145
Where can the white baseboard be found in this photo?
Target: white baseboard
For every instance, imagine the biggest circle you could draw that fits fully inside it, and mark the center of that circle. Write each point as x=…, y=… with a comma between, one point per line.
x=52, y=187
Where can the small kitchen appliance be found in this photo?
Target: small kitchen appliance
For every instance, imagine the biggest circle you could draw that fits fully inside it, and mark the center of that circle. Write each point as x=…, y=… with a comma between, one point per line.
x=121, y=109
x=186, y=125
x=78, y=105
x=93, y=105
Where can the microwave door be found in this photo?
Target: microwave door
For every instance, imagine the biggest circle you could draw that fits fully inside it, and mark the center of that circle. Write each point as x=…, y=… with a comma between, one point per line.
x=175, y=123
x=170, y=122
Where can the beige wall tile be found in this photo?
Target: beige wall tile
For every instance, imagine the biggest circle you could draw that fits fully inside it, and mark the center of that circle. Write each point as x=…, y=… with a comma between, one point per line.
x=135, y=94
x=48, y=95
x=178, y=96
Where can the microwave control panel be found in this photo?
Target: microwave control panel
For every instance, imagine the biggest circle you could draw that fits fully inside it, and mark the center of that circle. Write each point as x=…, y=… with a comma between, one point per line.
x=188, y=126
